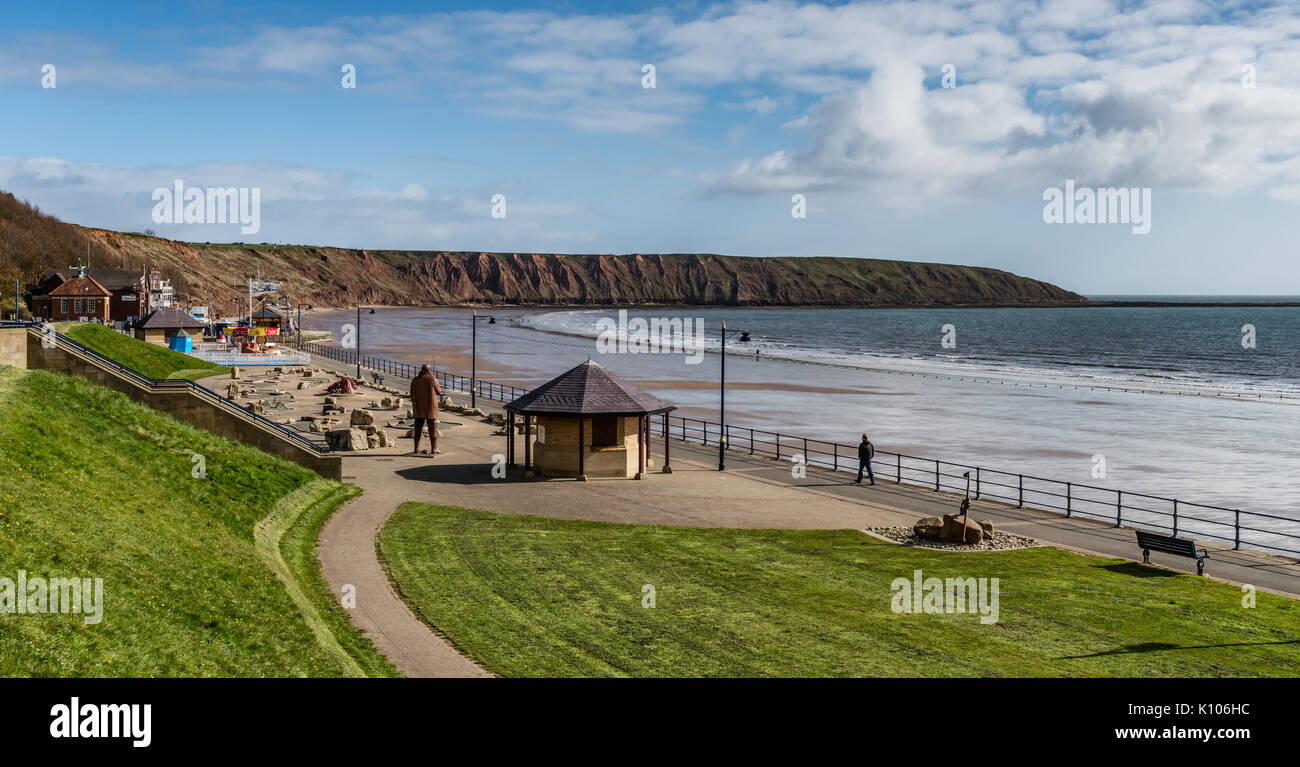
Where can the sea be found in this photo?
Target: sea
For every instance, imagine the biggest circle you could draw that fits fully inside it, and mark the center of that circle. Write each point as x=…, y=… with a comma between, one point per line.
x=1198, y=401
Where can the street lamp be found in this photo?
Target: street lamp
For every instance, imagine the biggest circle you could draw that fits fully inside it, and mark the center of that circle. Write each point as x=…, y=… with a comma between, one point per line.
x=722, y=394
x=473, y=365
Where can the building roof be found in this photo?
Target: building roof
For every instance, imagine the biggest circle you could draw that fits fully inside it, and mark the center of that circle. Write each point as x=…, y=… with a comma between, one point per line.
x=589, y=389
x=167, y=317
x=267, y=313
x=76, y=287
x=113, y=279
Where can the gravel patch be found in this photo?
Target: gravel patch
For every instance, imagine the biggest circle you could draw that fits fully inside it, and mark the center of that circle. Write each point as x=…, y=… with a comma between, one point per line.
x=999, y=542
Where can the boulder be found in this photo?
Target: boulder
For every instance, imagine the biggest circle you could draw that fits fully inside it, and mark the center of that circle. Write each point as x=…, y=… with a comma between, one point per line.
x=928, y=528
x=302, y=384
x=987, y=526
x=331, y=401
x=362, y=417
x=952, y=531
x=473, y=411
x=346, y=439
x=372, y=440
x=314, y=427
x=234, y=372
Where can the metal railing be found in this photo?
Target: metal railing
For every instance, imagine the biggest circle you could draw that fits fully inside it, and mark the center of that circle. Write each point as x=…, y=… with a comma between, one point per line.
x=1227, y=525
x=185, y=385
x=487, y=389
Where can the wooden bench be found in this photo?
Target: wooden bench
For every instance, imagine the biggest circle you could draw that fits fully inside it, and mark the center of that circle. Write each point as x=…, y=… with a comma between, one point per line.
x=1180, y=546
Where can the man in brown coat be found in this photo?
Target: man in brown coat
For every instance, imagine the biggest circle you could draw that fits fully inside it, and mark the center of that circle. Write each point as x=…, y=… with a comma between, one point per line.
x=424, y=407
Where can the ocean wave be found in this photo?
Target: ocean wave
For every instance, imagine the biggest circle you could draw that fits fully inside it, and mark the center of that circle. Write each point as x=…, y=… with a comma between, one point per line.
x=1031, y=368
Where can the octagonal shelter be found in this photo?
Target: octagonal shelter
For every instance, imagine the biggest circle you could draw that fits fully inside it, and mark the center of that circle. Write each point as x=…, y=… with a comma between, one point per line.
x=588, y=423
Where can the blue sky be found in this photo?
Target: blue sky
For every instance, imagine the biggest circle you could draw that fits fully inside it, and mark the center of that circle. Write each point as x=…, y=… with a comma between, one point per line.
x=754, y=103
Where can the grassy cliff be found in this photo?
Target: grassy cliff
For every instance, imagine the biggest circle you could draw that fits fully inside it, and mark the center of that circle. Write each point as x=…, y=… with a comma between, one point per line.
x=342, y=277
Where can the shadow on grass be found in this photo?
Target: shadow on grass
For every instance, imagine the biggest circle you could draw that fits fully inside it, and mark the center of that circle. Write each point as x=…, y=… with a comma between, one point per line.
x=1163, y=646
x=1140, y=571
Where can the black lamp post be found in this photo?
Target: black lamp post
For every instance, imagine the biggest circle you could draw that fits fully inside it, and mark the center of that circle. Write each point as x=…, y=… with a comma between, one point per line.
x=473, y=364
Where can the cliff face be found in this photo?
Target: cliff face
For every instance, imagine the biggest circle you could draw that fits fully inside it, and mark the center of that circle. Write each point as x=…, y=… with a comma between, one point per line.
x=340, y=277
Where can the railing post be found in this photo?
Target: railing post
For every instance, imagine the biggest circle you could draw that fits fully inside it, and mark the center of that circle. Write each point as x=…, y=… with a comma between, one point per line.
x=1236, y=526
x=936, y=475
x=1119, y=507
x=706, y=432
x=977, y=483
x=778, y=447
x=805, y=451
x=1068, y=492
x=1020, y=501
x=898, y=465
x=726, y=433
x=1175, y=517
x=751, y=441
x=837, y=455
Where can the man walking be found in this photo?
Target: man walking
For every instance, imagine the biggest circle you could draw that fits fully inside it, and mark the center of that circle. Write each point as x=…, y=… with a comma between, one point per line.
x=424, y=407
x=866, y=451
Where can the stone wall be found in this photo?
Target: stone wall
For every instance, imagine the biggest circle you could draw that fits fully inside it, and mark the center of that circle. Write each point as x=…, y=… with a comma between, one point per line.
x=13, y=347
x=185, y=406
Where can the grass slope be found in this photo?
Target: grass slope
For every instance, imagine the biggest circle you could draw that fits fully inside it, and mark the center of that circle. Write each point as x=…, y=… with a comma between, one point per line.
x=526, y=596
x=151, y=360
x=94, y=485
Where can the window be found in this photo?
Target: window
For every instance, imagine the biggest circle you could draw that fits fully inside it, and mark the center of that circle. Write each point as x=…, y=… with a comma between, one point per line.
x=63, y=306
x=76, y=305
x=604, y=431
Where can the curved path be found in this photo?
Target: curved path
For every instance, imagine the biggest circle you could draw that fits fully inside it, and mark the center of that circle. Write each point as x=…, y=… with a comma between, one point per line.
x=348, y=552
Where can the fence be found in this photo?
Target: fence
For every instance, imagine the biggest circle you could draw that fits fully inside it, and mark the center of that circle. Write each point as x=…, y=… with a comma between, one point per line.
x=1227, y=525
x=486, y=389
x=235, y=359
x=1153, y=512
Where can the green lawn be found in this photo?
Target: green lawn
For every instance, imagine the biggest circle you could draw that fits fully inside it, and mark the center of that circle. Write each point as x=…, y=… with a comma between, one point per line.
x=150, y=359
x=93, y=485
x=526, y=596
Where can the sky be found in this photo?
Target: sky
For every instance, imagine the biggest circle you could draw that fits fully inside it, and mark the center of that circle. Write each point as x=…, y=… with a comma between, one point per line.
x=928, y=131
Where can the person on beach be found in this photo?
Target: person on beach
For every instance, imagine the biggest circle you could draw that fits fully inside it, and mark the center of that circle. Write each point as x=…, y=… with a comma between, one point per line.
x=424, y=408
x=866, y=451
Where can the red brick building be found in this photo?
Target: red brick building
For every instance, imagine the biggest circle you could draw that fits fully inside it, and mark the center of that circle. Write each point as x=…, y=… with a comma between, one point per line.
x=77, y=297
x=126, y=304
